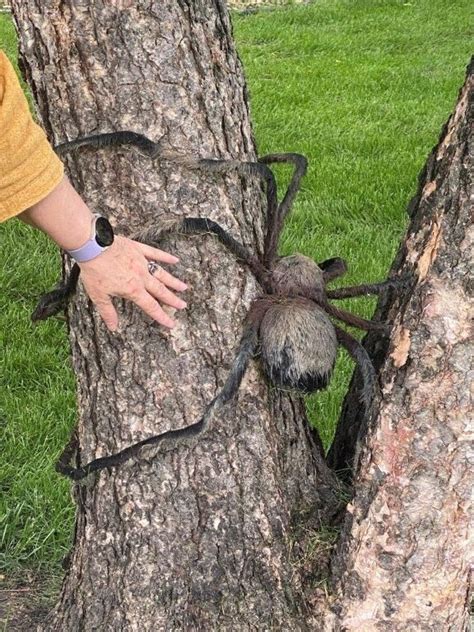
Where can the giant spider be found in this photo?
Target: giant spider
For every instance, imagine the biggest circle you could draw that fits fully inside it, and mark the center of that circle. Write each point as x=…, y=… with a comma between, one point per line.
x=288, y=325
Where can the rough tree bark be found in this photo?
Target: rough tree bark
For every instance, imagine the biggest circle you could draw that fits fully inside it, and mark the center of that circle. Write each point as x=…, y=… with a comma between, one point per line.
x=200, y=537
x=203, y=536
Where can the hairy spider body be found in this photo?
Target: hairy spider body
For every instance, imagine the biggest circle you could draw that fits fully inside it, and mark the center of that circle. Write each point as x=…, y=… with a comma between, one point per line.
x=293, y=323
x=289, y=327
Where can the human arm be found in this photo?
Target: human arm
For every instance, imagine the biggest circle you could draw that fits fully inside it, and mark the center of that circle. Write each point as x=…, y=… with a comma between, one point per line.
x=34, y=189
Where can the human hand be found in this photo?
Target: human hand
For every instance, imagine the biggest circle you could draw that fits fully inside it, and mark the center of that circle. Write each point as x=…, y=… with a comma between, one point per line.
x=122, y=270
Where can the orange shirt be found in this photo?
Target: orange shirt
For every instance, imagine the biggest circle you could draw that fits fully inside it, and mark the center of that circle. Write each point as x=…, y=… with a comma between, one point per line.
x=29, y=168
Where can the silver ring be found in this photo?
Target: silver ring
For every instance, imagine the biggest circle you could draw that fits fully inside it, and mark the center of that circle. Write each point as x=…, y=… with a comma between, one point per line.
x=153, y=267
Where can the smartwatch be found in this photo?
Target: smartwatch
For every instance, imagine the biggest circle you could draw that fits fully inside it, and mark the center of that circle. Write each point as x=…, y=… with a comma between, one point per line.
x=102, y=236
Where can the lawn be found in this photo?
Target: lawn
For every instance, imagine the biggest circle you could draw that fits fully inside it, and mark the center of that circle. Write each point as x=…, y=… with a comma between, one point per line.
x=360, y=87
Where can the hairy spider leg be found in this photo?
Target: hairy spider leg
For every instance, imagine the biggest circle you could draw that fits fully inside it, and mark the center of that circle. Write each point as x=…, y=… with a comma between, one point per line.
x=154, y=150
x=203, y=225
x=362, y=290
x=157, y=152
x=246, y=349
x=274, y=228
x=244, y=169
x=363, y=361
x=351, y=319
x=332, y=268
x=110, y=139
x=70, y=452
x=55, y=301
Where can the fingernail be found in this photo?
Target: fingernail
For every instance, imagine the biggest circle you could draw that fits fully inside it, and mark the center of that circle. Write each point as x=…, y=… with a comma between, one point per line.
x=182, y=304
x=183, y=287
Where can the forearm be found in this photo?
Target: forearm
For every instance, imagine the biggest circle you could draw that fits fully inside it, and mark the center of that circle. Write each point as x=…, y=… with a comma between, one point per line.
x=62, y=215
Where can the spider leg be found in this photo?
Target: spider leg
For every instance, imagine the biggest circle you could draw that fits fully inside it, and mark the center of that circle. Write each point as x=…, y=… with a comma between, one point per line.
x=156, y=151
x=199, y=226
x=352, y=319
x=333, y=268
x=111, y=139
x=363, y=361
x=245, y=352
x=243, y=168
x=53, y=302
x=275, y=226
x=203, y=225
x=362, y=290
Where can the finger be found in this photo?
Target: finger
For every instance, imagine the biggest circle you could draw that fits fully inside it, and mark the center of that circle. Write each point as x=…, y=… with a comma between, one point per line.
x=148, y=304
x=162, y=294
x=108, y=314
x=169, y=280
x=156, y=254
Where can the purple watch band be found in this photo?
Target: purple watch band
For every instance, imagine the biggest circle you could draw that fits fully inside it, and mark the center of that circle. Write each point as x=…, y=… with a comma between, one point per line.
x=91, y=249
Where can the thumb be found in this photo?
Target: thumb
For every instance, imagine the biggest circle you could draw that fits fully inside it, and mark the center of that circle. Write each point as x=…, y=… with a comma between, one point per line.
x=108, y=314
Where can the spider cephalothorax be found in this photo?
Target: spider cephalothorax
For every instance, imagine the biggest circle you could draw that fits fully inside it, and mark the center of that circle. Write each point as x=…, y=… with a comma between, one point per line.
x=289, y=326
x=296, y=275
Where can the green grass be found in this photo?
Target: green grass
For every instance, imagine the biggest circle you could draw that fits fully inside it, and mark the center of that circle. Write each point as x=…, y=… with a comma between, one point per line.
x=362, y=88
x=7, y=37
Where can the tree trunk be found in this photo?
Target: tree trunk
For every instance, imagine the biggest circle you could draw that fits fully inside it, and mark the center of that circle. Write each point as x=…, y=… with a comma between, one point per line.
x=214, y=535
x=196, y=537
x=403, y=558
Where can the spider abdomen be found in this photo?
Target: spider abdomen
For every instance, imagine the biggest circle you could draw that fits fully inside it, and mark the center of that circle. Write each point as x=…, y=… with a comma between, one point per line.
x=298, y=345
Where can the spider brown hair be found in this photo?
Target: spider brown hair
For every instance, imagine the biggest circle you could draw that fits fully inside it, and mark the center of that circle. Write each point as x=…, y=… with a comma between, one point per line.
x=289, y=324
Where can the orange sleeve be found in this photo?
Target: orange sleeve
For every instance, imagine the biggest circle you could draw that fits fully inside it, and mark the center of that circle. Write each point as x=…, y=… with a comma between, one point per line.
x=29, y=168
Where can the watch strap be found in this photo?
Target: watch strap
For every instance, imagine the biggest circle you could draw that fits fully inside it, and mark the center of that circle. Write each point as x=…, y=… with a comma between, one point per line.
x=91, y=249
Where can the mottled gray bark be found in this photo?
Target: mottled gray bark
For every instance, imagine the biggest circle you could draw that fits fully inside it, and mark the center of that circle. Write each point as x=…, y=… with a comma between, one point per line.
x=199, y=536
x=406, y=551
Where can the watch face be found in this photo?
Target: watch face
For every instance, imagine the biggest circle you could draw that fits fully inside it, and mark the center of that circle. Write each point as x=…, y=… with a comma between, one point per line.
x=104, y=234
